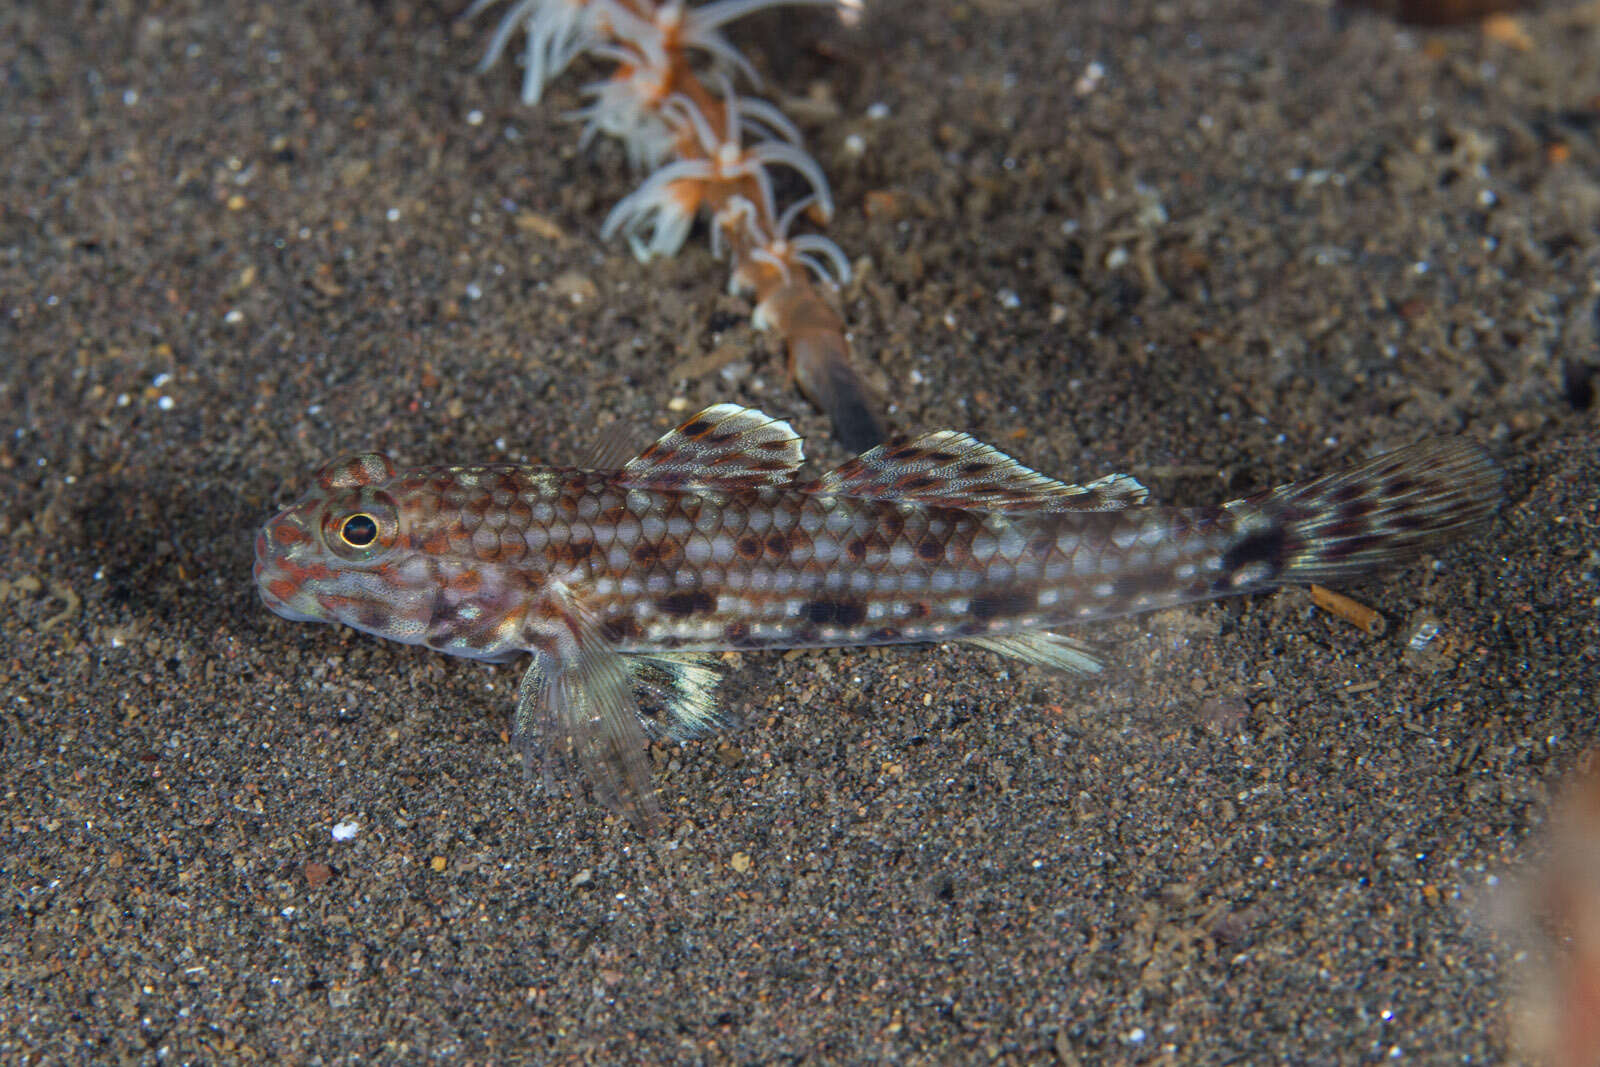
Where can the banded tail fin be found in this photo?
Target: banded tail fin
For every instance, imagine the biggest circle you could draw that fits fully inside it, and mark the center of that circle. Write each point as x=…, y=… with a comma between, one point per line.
x=1387, y=510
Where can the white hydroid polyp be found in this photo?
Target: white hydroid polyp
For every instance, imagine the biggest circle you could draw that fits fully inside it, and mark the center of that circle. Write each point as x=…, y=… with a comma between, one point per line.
x=557, y=32
x=670, y=100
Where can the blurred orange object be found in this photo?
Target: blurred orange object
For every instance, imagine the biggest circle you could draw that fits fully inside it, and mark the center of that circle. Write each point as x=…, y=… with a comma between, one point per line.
x=1559, y=1022
x=1440, y=12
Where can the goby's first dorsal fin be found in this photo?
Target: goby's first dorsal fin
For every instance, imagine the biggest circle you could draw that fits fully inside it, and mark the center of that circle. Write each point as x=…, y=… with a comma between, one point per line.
x=725, y=447
x=956, y=470
x=611, y=448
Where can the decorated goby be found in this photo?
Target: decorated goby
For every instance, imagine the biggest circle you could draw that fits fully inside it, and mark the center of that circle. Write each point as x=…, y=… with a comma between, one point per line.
x=618, y=577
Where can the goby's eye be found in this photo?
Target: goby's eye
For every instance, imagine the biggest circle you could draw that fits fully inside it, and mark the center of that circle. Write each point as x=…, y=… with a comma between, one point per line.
x=359, y=530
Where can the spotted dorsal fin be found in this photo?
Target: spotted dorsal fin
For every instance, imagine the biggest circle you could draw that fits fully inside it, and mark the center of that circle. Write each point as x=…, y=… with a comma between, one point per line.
x=950, y=469
x=725, y=447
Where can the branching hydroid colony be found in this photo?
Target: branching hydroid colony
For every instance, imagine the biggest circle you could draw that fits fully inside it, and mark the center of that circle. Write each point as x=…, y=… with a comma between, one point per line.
x=708, y=150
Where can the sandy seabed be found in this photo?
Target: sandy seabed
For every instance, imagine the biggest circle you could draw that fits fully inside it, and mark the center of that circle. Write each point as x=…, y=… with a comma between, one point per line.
x=1216, y=245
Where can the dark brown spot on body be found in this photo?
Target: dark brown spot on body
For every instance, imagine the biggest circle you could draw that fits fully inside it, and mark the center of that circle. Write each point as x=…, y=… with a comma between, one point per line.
x=1265, y=546
x=689, y=602
x=835, y=612
x=748, y=547
x=737, y=633
x=1000, y=605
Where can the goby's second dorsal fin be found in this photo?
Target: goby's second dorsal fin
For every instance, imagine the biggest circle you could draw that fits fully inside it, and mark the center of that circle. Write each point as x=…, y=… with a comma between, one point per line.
x=956, y=470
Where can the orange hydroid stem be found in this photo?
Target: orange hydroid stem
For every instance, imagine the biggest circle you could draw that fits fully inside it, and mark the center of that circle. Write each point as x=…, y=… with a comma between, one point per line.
x=819, y=360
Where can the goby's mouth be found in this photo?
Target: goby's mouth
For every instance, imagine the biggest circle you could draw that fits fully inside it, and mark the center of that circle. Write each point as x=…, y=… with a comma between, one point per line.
x=281, y=590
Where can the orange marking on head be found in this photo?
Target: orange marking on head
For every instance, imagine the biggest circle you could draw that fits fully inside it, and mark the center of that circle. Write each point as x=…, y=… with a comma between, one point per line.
x=287, y=533
x=335, y=602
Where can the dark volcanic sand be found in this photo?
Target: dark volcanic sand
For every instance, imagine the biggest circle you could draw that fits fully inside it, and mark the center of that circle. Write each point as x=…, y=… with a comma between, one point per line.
x=238, y=239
